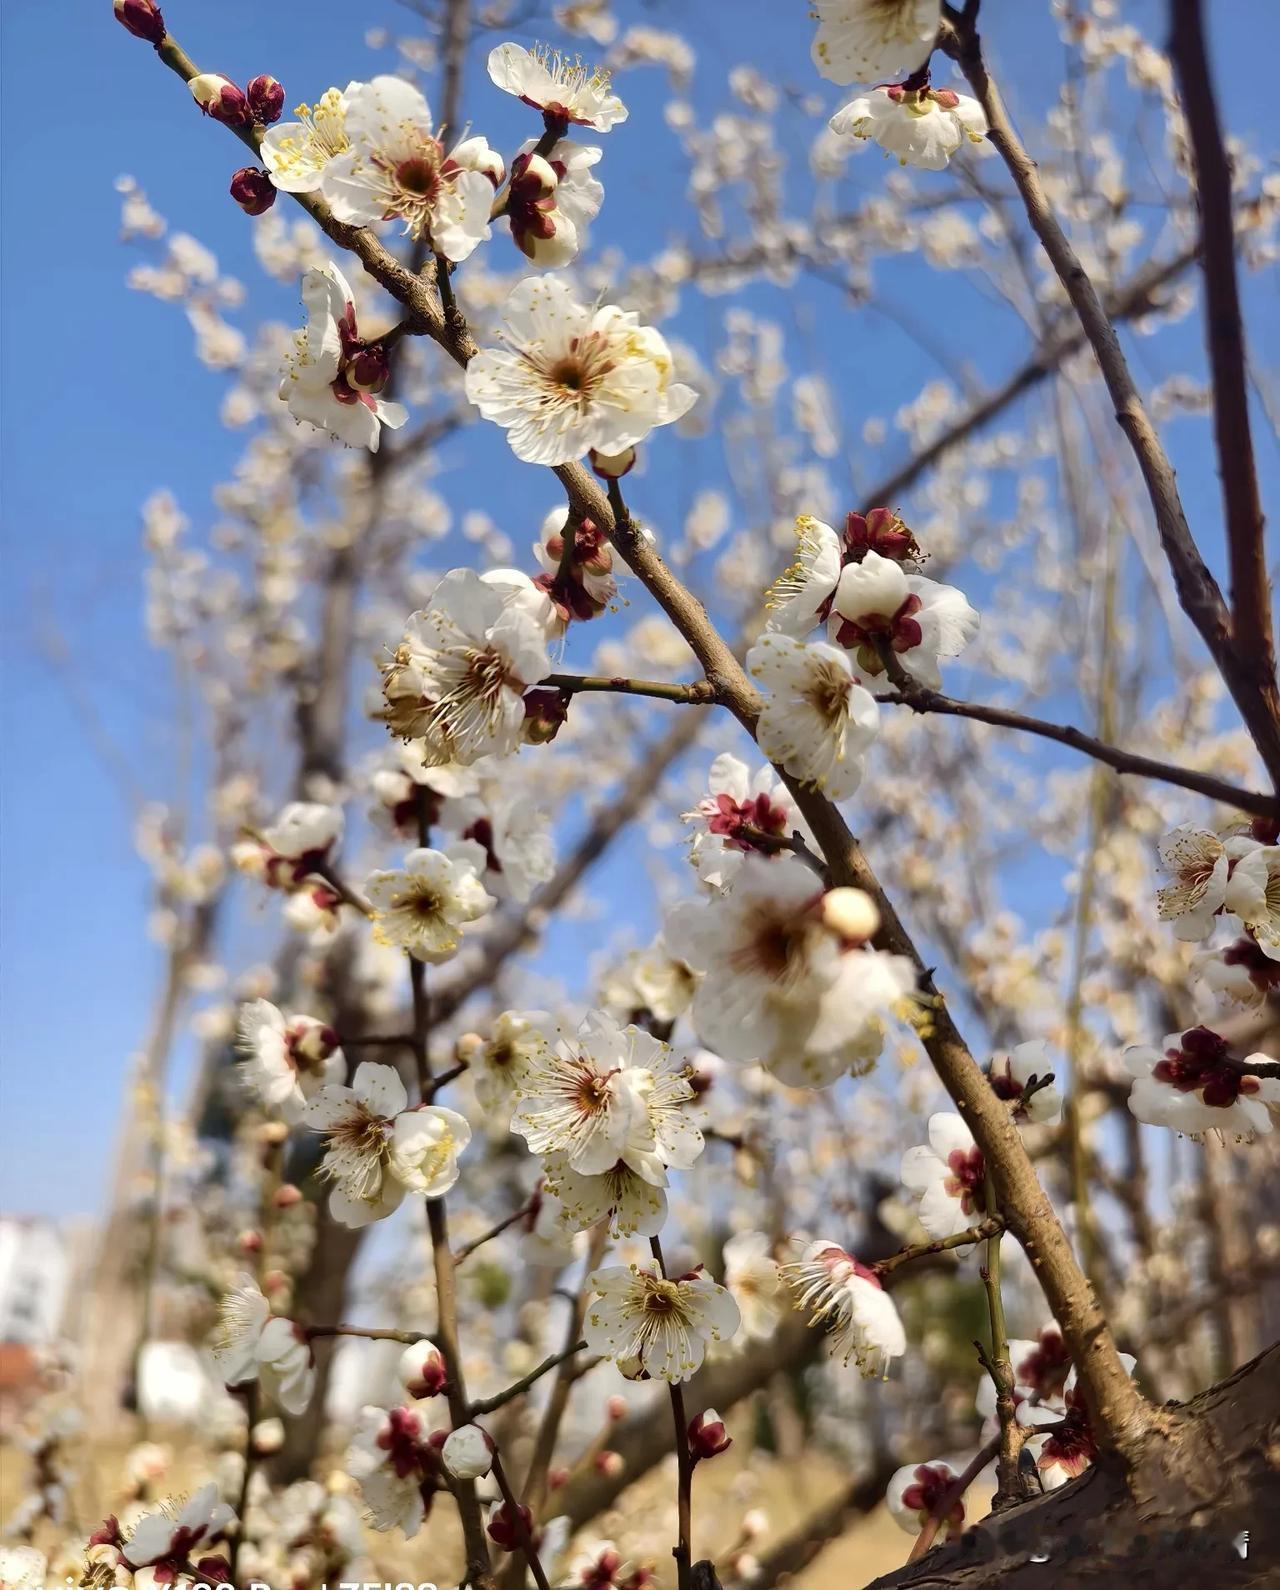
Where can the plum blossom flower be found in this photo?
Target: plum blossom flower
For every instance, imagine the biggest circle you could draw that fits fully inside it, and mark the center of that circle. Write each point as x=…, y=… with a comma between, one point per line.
x=817, y=721
x=865, y=41
x=459, y=674
x=1242, y=973
x=23, y=1567
x=630, y=1194
x=500, y=1063
x=639, y=1317
x=1040, y=1370
x=848, y=1298
x=584, y=586
x=921, y=126
x=948, y=1173
x=250, y=1343
x=1010, y=1074
x=333, y=378
x=786, y=983
x=560, y=87
x=736, y=810
x=1253, y=894
x=514, y=834
x=397, y=1465
x=287, y=1059
x=752, y=1276
x=1071, y=1446
x=296, y=153
x=916, y=1492
x=551, y=199
x=425, y=1144
x=411, y=789
x=167, y=1539
x=395, y=167
x=1198, y=862
x=801, y=596
x=359, y=1121
x=877, y=602
x=1191, y=1085
x=598, y=1565
x=288, y=850
x=426, y=906
x=651, y=980
x=573, y=377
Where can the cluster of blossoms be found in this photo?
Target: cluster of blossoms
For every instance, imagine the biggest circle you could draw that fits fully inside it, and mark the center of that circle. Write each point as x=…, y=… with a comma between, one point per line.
x=861, y=41
x=1192, y=1083
x=293, y=855
x=170, y=1546
x=819, y=715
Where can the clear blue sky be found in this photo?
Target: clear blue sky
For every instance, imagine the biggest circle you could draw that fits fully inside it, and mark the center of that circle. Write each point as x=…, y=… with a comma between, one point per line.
x=102, y=402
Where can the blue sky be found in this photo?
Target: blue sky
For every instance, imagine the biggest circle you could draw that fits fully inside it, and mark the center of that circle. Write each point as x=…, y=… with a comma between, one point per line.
x=102, y=402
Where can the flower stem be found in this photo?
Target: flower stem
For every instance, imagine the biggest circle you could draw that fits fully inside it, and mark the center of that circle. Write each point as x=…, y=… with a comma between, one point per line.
x=699, y=694
x=953, y=1493
x=501, y=1398
x=1000, y=1368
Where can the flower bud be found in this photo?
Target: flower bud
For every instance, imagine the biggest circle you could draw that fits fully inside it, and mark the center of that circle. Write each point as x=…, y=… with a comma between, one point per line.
x=268, y=1437
x=610, y=1464
x=272, y=1133
x=468, y=1453
x=708, y=1436
x=556, y=1477
x=287, y=1196
x=249, y=1242
x=468, y=1047
x=502, y=1527
x=266, y=99
x=615, y=1408
x=142, y=18
x=253, y=190
x=851, y=913
x=421, y=1371
x=533, y=177
x=544, y=712
x=755, y=1522
x=220, y=98
x=612, y=466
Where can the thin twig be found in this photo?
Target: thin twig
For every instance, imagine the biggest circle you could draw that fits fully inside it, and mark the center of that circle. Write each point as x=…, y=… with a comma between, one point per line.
x=523, y=1537
x=1000, y=1367
x=953, y=1493
x=373, y=1333
x=344, y=890
x=468, y=1248
x=519, y=1387
x=698, y=694
x=922, y=1250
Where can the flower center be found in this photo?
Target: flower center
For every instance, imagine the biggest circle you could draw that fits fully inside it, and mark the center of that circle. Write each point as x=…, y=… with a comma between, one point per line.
x=901, y=630
x=419, y=176
x=828, y=695
x=728, y=818
x=1200, y=1066
x=965, y=1181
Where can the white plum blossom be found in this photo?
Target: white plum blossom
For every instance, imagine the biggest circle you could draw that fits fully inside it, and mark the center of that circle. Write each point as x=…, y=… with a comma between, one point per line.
x=551, y=199
x=846, y=1296
x=921, y=126
x=652, y=980
x=786, y=983
x=297, y=152
x=559, y=86
x=1192, y=1085
x=573, y=378
x=531, y=597
x=467, y=1452
x=1009, y=1073
x=1040, y=1369
x=655, y=1326
x=878, y=603
x=866, y=41
x=304, y=832
x=425, y=1144
x=358, y=1122
x=22, y=1568
x=751, y=1273
x=500, y=1063
x=390, y=1456
x=630, y=1194
x=426, y=906
x=585, y=586
x=1253, y=894
x=172, y=1537
x=396, y=168
x=1070, y=1446
x=412, y=789
x=1198, y=862
x=1242, y=973
x=333, y=378
x=287, y=1059
x=817, y=721
x=458, y=677
x=801, y=596
x=513, y=831
x=250, y=1343
x=916, y=1493
x=737, y=809
x=948, y=1174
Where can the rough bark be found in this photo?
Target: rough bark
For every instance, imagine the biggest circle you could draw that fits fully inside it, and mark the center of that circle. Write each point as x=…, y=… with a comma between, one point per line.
x=1201, y=1506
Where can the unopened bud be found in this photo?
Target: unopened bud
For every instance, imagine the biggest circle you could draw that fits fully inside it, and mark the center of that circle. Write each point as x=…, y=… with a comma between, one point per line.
x=708, y=1436
x=851, y=913
x=268, y=1437
x=468, y=1453
x=544, y=712
x=468, y=1047
x=266, y=99
x=421, y=1371
x=557, y=1477
x=755, y=1522
x=220, y=98
x=253, y=190
x=503, y=1530
x=533, y=177
x=610, y=1464
x=249, y=1242
x=287, y=1196
x=142, y=18
x=272, y=1133
x=368, y=370
x=615, y=1408
x=613, y=466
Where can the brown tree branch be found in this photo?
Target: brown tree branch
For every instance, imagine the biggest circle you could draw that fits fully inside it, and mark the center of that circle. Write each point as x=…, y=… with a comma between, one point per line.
x=1224, y=330
x=698, y=693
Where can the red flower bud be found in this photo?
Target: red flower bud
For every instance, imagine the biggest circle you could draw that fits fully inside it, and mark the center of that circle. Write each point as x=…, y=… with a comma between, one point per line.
x=266, y=99
x=503, y=1529
x=142, y=18
x=544, y=712
x=612, y=466
x=287, y=1196
x=708, y=1436
x=250, y=1242
x=253, y=190
x=556, y=1477
x=220, y=98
